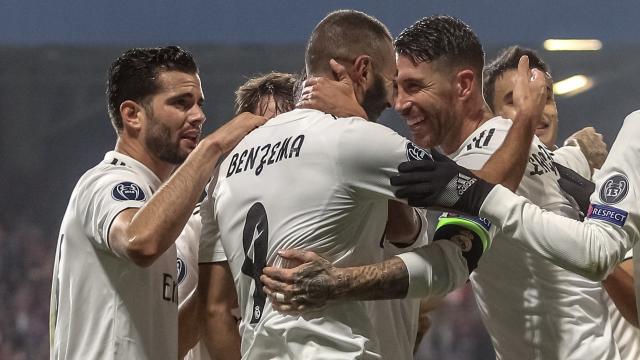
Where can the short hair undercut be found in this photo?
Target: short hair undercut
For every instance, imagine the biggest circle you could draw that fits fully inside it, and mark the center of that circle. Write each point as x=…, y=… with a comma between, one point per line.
x=508, y=59
x=344, y=35
x=133, y=76
x=441, y=37
x=278, y=85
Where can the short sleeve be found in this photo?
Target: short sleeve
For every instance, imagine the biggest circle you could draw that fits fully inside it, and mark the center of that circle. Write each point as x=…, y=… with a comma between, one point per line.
x=368, y=154
x=211, y=249
x=107, y=196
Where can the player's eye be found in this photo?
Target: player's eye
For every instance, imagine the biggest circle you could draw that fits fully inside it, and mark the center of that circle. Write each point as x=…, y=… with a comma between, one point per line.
x=181, y=103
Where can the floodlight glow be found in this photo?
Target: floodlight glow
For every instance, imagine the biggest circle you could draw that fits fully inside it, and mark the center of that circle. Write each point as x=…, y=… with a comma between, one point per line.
x=573, y=85
x=572, y=44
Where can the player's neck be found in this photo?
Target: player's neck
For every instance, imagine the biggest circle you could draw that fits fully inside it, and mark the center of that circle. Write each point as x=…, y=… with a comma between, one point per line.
x=473, y=115
x=136, y=150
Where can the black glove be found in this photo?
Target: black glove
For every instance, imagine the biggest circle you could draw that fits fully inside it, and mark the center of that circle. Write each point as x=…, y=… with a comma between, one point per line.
x=575, y=185
x=440, y=183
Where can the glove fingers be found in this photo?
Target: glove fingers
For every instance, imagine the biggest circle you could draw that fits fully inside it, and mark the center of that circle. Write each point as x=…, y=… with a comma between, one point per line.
x=416, y=165
x=411, y=178
x=415, y=190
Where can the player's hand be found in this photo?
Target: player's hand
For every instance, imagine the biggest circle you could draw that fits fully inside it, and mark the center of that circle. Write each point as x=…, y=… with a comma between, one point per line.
x=306, y=287
x=591, y=144
x=529, y=93
x=332, y=97
x=230, y=134
x=575, y=185
x=440, y=183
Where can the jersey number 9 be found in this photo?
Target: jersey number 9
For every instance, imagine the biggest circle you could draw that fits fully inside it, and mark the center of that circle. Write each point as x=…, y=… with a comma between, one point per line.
x=256, y=232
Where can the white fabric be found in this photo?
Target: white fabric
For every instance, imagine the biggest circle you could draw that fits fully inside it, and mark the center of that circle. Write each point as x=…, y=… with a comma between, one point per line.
x=323, y=184
x=524, y=300
x=592, y=248
x=187, y=257
x=104, y=306
x=573, y=158
x=627, y=336
x=396, y=321
x=187, y=250
x=210, y=248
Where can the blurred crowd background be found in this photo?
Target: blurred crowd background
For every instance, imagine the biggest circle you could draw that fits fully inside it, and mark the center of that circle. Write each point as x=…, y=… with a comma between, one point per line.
x=53, y=62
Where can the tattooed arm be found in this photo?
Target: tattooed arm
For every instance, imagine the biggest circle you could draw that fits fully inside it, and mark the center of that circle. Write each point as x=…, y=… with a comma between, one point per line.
x=316, y=283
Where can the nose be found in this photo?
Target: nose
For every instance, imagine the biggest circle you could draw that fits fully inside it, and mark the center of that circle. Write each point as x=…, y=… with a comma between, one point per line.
x=402, y=103
x=197, y=116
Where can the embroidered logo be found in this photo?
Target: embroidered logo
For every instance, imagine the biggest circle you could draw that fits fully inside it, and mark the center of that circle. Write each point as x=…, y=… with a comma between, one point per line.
x=607, y=213
x=463, y=183
x=416, y=153
x=127, y=191
x=614, y=189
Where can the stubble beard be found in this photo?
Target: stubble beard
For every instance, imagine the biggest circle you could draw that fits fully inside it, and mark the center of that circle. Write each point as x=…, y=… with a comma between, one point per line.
x=158, y=141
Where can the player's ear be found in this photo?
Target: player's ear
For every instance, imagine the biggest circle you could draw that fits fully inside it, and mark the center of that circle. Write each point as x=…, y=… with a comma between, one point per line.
x=465, y=82
x=362, y=70
x=361, y=73
x=132, y=114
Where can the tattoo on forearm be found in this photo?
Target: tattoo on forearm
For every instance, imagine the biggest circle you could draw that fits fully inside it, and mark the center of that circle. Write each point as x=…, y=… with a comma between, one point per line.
x=386, y=280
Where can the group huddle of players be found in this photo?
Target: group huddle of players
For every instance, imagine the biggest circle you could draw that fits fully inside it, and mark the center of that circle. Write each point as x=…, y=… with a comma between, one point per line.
x=314, y=240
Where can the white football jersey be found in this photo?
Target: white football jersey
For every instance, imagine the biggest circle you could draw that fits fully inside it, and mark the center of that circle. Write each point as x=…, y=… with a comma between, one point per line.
x=626, y=336
x=612, y=227
x=532, y=308
x=187, y=270
x=573, y=158
x=310, y=181
x=187, y=249
x=105, y=306
x=187, y=257
x=396, y=321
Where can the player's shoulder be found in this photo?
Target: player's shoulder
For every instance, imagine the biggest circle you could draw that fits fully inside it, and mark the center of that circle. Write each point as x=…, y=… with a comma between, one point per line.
x=486, y=138
x=123, y=182
x=634, y=116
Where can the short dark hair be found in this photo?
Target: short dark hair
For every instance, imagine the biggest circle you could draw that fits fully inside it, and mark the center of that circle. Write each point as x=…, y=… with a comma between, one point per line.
x=441, y=37
x=344, y=35
x=278, y=85
x=133, y=75
x=507, y=59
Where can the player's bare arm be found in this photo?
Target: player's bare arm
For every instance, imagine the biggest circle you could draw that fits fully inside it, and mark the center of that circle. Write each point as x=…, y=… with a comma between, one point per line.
x=403, y=224
x=217, y=296
x=591, y=145
x=620, y=287
x=316, y=282
x=142, y=235
x=189, y=314
x=508, y=163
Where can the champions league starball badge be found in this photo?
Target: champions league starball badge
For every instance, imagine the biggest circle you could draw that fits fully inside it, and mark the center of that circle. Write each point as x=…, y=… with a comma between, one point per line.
x=614, y=189
x=127, y=191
